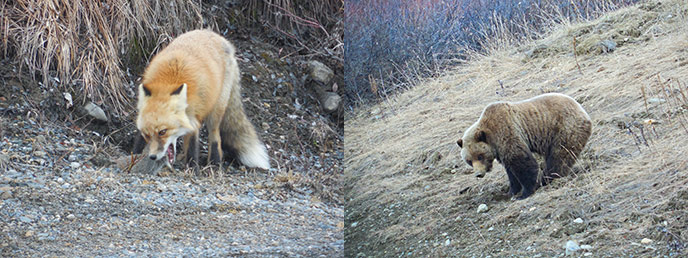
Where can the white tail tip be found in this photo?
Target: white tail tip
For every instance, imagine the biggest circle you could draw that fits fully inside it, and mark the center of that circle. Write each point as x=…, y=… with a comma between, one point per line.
x=255, y=156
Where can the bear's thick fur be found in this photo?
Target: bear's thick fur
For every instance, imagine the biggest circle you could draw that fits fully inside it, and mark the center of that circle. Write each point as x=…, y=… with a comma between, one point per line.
x=552, y=125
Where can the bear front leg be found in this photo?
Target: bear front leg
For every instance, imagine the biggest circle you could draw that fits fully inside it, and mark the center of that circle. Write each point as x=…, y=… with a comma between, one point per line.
x=524, y=169
x=514, y=185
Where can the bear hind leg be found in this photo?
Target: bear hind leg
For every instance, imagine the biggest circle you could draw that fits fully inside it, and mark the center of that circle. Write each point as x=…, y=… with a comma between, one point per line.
x=558, y=162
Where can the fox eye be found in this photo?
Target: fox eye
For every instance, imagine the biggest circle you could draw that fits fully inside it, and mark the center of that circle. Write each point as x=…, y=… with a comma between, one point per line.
x=162, y=132
x=480, y=157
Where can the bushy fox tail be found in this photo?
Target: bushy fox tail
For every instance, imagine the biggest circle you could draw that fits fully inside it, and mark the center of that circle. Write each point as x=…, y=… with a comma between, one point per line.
x=239, y=138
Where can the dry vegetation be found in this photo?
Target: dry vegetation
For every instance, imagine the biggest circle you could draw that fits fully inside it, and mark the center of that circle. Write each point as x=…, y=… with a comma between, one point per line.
x=79, y=43
x=410, y=195
x=95, y=49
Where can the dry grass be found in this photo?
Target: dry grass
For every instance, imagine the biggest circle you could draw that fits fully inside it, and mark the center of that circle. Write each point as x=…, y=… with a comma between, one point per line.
x=88, y=45
x=632, y=176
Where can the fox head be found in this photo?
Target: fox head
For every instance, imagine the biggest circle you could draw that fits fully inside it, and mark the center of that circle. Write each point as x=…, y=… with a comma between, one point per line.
x=162, y=119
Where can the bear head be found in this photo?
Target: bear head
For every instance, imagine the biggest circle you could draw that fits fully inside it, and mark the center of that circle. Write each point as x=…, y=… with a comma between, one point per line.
x=475, y=150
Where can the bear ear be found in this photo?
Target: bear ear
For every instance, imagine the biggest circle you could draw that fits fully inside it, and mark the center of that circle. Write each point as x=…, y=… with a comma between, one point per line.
x=460, y=142
x=480, y=136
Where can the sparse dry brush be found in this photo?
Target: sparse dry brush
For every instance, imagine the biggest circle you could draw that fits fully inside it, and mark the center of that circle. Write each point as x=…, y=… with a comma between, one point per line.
x=391, y=44
x=98, y=47
x=87, y=46
x=632, y=176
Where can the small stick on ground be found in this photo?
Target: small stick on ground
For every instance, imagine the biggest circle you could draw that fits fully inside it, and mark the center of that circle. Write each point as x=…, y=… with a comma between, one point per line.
x=575, y=56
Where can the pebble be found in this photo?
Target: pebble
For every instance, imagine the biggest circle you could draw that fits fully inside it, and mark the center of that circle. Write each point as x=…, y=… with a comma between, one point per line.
x=71, y=217
x=6, y=195
x=60, y=180
x=39, y=153
x=578, y=221
x=646, y=241
x=447, y=242
x=482, y=208
x=25, y=219
x=571, y=247
x=353, y=225
x=586, y=247
x=74, y=165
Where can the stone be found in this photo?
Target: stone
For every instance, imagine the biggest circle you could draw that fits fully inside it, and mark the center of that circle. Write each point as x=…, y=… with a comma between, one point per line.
x=329, y=101
x=646, y=241
x=320, y=72
x=482, y=208
x=96, y=112
x=571, y=247
x=578, y=221
x=607, y=46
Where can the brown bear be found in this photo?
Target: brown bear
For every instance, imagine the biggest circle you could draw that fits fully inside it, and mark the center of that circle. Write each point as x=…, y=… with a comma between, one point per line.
x=552, y=125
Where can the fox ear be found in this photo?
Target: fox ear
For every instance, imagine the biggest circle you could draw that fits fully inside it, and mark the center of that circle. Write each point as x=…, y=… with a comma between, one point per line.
x=460, y=143
x=181, y=89
x=143, y=91
x=179, y=95
x=480, y=136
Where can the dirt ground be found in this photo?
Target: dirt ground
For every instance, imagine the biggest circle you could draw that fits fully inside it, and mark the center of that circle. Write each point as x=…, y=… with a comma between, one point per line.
x=409, y=194
x=62, y=194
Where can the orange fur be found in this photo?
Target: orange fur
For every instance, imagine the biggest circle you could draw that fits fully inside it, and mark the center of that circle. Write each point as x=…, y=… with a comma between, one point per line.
x=192, y=82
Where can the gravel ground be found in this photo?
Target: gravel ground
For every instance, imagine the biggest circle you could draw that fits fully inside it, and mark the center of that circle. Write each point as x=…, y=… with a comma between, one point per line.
x=54, y=202
x=61, y=193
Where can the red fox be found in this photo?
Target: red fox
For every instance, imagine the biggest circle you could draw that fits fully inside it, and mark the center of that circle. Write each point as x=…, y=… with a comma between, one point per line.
x=195, y=80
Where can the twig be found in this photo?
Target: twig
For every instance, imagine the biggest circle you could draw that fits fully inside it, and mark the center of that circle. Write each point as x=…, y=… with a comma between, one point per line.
x=575, y=56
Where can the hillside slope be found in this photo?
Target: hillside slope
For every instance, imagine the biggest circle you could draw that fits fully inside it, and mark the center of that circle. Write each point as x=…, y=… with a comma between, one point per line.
x=408, y=193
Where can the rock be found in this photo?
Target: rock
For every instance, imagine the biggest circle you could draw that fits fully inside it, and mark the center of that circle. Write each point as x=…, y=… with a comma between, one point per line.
x=574, y=227
x=447, y=242
x=586, y=247
x=656, y=100
x=96, y=112
x=537, y=51
x=607, y=46
x=587, y=254
x=320, y=72
x=353, y=225
x=329, y=101
x=29, y=233
x=39, y=153
x=646, y=241
x=482, y=208
x=74, y=165
x=5, y=195
x=4, y=160
x=571, y=247
x=71, y=217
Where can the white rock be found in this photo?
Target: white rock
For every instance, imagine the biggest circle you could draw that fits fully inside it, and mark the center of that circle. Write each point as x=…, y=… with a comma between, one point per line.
x=586, y=247
x=482, y=208
x=571, y=247
x=587, y=254
x=320, y=72
x=646, y=241
x=96, y=112
x=578, y=221
x=74, y=165
x=353, y=225
x=447, y=243
x=71, y=216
